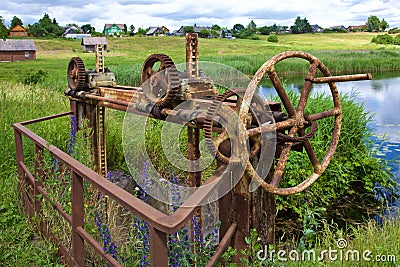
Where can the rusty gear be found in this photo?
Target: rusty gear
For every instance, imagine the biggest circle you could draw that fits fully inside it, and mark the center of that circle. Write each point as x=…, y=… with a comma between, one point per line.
x=76, y=74
x=258, y=114
x=163, y=86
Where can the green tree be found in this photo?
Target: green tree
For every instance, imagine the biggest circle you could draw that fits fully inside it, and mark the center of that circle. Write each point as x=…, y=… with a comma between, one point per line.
x=301, y=26
x=87, y=28
x=188, y=29
x=132, y=28
x=3, y=29
x=383, y=25
x=252, y=27
x=46, y=27
x=215, y=27
x=141, y=31
x=238, y=28
x=274, y=28
x=373, y=23
x=204, y=33
x=15, y=21
x=265, y=30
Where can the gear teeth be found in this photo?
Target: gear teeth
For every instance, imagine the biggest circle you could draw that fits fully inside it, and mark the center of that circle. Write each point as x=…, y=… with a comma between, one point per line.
x=166, y=62
x=208, y=123
x=79, y=84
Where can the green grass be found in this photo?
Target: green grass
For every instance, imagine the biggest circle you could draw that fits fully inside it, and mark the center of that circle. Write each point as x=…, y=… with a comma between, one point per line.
x=351, y=52
x=340, y=52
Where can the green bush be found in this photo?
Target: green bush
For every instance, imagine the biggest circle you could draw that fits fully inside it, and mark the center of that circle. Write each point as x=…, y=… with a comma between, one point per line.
x=394, y=31
x=346, y=188
x=273, y=38
x=396, y=40
x=35, y=78
x=383, y=39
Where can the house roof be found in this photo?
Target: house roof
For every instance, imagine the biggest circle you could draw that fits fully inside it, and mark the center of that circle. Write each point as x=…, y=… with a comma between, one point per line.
x=195, y=29
x=337, y=27
x=94, y=40
x=120, y=26
x=18, y=28
x=356, y=27
x=17, y=45
x=153, y=30
x=71, y=30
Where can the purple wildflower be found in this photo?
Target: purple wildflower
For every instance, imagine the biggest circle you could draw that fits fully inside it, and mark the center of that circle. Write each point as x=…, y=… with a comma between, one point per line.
x=72, y=135
x=108, y=245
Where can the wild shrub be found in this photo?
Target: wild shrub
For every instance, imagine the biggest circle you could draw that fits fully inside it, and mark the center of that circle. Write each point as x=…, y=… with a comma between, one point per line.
x=35, y=78
x=273, y=38
x=383, y=39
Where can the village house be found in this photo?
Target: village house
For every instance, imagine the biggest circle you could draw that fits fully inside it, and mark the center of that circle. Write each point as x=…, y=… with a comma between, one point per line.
x=359, y=28
x=154, y=31
x=339, y=27
x=15, y=50
x=225, y=34
x=316, y=28
x=114, y=29
x=196, y=29
x=89, y=43
x=18, y=30
x=75, y=33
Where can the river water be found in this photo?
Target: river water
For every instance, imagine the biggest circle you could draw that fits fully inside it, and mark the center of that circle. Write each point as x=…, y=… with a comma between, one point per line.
x=381, y=97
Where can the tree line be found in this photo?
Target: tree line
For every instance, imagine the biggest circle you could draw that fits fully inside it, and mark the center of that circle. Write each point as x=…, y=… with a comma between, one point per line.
x=47, y=27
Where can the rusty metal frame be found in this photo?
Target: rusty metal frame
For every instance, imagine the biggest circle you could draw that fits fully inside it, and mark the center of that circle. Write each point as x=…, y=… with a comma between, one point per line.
x=160, y=225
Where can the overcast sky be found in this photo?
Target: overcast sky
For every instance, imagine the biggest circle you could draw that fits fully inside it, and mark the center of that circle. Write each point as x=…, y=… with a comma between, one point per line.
x=174, y=13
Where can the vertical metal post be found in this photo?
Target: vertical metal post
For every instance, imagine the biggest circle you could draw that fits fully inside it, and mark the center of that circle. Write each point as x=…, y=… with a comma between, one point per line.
x=39, y=177
x=193, y=156
x=19, y=155
x=263, y=214
x=77, y=202
x=192, y=55
x=21, y=174
x=158, y=248
x=101, y=140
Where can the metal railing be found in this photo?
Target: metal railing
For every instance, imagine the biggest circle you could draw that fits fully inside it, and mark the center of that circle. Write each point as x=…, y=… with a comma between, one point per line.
x=160, y=224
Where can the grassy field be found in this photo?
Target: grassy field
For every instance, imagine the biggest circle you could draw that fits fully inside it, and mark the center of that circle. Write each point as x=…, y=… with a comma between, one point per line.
x=342, y=53
x=350, y=53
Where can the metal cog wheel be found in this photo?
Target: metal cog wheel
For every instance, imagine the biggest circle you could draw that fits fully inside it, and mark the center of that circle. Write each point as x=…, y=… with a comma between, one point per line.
x=256, y=113
x=76, y=74
x=162, y=88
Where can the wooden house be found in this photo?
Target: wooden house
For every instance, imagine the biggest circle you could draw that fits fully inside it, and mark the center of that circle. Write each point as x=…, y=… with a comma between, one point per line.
x=154, y=31
x=316, y=28
x=114, y=29
x=89, y=43
x=197, y=29
x=18, y=30
x=75, y=33
x=17, y=49
x=358, y=28
x=225, y=34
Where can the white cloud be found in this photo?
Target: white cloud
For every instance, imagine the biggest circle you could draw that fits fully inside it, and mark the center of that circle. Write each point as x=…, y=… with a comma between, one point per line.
x=175, y=13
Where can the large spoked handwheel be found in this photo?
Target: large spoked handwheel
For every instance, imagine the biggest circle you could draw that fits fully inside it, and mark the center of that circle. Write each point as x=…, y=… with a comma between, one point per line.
x=296, y=123
x=76, y=74
x=160, y=80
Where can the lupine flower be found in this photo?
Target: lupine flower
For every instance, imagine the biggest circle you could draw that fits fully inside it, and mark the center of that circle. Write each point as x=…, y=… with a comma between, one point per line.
x=55, y=168
x=108, y=245
x=72, y=135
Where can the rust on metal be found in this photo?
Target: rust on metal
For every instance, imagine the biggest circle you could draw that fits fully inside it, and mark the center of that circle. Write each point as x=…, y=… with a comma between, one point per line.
x=91, y=92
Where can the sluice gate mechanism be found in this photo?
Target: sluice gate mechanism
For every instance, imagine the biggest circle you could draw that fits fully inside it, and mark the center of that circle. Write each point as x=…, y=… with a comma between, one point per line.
x=249, y=138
